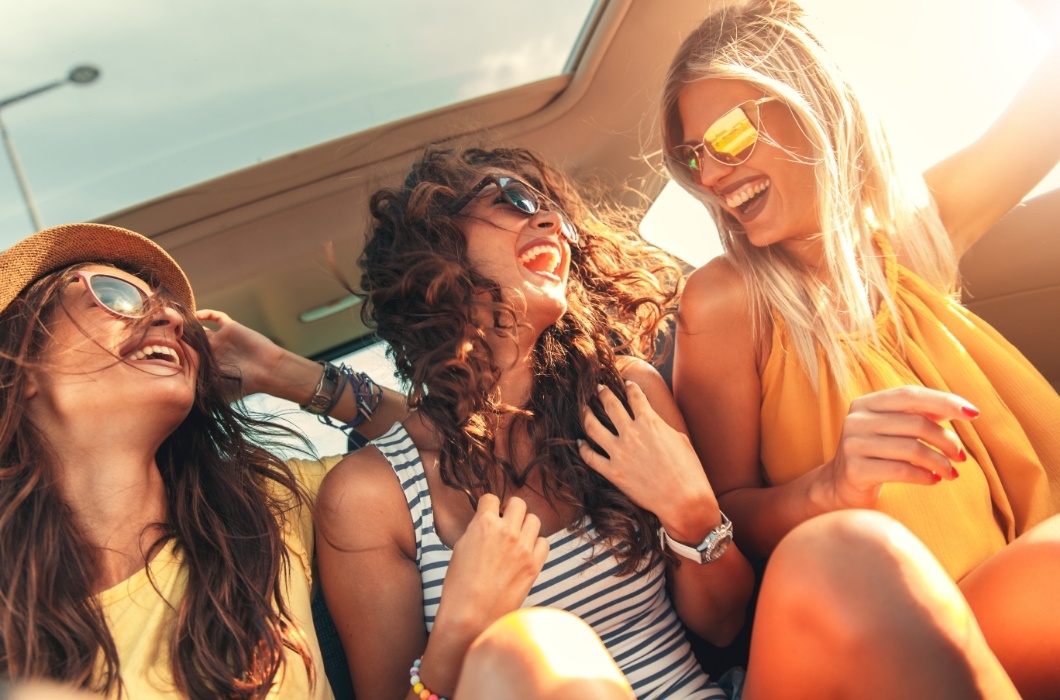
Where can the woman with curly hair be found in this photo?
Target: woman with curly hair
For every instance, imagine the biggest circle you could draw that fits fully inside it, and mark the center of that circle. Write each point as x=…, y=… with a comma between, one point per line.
x=544, y=463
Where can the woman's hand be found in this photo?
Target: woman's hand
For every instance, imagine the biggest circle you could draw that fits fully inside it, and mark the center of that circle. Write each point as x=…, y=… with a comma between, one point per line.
x=251, y=354
x=494, y=564
x=894, y=435
x=652, y=463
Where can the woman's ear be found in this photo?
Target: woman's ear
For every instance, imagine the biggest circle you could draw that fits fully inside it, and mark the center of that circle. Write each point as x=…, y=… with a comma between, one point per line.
x=32, y=386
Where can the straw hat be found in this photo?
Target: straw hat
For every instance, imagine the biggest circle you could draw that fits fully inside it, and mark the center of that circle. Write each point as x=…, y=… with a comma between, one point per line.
x=60, y=246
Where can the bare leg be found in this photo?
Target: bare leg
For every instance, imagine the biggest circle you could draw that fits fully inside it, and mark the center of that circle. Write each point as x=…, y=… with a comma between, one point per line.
x=540, y=654
x=1014, y=595
x=854, y=606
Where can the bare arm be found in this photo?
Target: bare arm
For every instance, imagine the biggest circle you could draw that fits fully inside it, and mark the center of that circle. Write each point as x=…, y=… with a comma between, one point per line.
x=371, y=582
x=979, y=184
x=652, y=461
x=267, y=368
x=885, y=436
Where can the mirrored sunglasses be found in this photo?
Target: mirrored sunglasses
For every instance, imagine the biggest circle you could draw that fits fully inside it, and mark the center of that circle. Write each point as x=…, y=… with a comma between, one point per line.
x=113, y=294
x=522, y=197
x=730, y=140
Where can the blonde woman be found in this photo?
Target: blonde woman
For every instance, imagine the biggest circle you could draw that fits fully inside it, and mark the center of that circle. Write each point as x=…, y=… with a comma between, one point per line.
x=841, y=371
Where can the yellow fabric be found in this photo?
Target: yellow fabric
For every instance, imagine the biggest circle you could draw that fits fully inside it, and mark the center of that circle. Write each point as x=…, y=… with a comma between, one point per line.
x=141, y=616
x=1011, y=480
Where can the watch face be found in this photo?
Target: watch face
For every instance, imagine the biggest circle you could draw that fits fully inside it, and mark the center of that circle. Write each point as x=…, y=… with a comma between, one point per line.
x=718, y=549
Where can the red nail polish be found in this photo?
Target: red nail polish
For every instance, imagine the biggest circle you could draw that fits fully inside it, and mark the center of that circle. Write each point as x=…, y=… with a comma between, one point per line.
x=936, y=477
x=970, y=411
x=954, y=470
x=962, y=456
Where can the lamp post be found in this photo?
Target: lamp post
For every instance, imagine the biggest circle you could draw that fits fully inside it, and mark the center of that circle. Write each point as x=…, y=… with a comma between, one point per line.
x=80, y=75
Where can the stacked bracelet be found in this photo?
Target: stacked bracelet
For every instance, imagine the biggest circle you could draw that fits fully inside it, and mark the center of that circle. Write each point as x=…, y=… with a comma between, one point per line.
x=417, y=684
x=333, y=380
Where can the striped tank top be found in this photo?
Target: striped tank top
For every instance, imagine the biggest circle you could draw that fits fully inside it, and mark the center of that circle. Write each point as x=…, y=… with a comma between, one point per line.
x=632, y=614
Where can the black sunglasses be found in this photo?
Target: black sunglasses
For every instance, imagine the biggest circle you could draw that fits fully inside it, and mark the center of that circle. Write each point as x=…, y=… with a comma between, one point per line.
x=521, y=196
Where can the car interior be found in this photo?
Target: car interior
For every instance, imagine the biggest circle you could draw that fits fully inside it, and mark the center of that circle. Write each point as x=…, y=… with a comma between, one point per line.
x=254, y=240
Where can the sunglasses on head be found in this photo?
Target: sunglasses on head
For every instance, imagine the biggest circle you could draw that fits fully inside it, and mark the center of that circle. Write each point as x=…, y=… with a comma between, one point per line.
x=114, y=294
x=520, y=195
x=730, y=140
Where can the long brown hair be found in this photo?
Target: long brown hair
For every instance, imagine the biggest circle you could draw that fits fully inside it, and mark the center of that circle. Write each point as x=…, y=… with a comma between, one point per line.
x=227, y=498
x=423, y=297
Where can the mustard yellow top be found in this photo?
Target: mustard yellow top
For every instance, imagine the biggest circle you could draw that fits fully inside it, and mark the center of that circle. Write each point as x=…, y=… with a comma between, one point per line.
x=1011, y=480
x=141, y=612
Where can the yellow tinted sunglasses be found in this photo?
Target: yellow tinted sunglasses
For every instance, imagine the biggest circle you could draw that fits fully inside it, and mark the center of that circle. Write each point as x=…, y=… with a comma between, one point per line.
x=730, y=140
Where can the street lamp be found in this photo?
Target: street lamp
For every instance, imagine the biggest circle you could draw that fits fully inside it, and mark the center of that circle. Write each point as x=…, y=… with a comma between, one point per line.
x=80, y=75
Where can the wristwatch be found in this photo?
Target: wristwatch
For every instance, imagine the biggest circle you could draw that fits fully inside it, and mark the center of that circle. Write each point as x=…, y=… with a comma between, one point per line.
x=710, y=549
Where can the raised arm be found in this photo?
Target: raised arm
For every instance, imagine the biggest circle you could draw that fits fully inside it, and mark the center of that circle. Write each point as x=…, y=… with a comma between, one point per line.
x=979, y=184
x=267, y=368
x=652, y=461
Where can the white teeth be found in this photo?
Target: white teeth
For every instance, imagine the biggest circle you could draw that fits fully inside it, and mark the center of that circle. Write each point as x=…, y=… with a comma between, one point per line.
x=147, y=351
x=530, y=254
x=742, y=195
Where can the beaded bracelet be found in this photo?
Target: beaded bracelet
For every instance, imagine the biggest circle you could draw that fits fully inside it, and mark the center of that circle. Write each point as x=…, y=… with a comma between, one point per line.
x=417, y=684
x=366, y=395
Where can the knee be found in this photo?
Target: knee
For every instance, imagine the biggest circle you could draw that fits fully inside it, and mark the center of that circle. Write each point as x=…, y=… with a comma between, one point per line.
x=541, y=653
x=843, y=575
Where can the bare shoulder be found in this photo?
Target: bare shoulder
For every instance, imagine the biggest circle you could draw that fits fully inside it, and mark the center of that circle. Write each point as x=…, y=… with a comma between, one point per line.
x=361, y=503
x=714, y=295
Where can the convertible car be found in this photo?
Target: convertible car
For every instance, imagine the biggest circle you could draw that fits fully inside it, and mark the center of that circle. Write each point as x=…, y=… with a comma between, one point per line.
x=245, y=139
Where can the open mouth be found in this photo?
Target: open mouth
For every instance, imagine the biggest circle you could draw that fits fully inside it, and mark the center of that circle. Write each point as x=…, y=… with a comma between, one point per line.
x=542, y=259
x=744, y=199
x=156, y=352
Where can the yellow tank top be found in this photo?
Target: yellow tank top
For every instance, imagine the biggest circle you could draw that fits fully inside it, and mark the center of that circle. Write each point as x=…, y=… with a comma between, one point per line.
x=1011, y=480
x=141, y=611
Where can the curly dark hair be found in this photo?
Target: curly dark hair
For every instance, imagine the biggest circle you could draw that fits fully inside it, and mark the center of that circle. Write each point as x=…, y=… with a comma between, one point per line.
x=227, y=499
x=424, y=295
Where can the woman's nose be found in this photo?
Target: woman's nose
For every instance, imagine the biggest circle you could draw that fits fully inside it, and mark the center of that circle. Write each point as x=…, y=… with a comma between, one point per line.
x=166, y=315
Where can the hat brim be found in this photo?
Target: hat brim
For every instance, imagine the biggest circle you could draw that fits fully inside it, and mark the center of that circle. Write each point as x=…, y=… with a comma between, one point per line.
x=60, y=246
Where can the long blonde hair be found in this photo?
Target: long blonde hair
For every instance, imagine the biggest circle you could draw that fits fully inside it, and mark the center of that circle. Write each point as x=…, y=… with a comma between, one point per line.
x=860, y=191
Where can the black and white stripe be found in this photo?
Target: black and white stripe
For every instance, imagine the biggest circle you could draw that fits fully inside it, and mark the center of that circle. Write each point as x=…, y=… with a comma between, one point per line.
x=632, y=614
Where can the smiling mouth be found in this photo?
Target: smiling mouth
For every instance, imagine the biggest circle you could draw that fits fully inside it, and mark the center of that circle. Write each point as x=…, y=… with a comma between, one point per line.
x=742, y=199
x=156, y=352
x=542, y=259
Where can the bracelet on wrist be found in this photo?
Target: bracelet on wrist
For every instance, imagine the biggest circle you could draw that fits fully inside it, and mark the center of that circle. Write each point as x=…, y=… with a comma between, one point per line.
x=325, y=393
x=417, y=683
x=367, y=395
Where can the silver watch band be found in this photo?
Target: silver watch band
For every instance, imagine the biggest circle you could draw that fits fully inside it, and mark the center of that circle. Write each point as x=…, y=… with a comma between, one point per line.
x=710, y=549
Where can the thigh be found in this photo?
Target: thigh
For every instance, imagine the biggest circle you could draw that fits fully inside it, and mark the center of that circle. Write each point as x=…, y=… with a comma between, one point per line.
x=1014, y=596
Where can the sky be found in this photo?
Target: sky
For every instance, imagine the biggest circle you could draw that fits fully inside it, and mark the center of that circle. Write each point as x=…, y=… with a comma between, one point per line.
x=193, y=89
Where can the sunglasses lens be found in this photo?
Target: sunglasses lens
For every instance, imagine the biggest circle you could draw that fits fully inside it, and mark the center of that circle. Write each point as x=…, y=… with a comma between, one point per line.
x=117, y=295
x=687, y=157
x=520, y=197
x=731, y=137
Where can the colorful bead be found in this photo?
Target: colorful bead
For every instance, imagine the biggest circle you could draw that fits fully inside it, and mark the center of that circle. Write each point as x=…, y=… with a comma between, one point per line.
x=417, y=683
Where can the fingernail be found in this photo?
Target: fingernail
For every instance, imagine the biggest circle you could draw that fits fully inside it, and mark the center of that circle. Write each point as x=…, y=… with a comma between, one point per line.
x=629, y=383
x=954, y=470
x=970, y=411
x=600, y=387
x=580, y=442
x=936, y=477
x=962, y=456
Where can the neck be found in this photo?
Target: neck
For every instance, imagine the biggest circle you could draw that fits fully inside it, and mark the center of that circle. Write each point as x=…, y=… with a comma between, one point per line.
x=115, y=494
